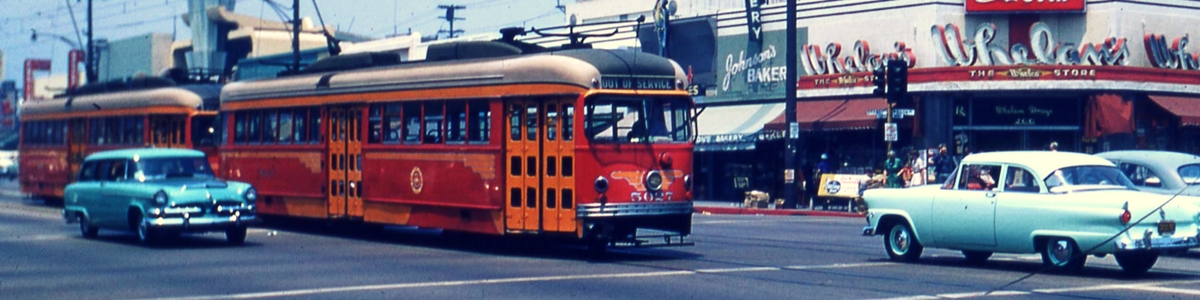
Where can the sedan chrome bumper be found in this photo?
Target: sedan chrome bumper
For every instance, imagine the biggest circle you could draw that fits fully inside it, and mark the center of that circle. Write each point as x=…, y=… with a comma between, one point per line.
x=1150, y=243
x=868, y=231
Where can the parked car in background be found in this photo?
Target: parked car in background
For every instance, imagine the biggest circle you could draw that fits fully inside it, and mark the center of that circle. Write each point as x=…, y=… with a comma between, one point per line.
x=1161, y=172
x=157, y=192
x=8, y=164
x=1063, y=205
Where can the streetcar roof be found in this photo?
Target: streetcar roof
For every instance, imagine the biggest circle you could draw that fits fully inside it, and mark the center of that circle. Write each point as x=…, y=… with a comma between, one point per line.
x=199, y=96
x=582, y=68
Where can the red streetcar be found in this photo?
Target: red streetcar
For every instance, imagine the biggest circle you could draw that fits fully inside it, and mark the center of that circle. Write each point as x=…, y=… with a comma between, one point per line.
x=484, y=137
x=57, y=134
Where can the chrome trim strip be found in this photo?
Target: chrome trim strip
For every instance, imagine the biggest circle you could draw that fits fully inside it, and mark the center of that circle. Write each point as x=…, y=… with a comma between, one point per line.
x=592, y=210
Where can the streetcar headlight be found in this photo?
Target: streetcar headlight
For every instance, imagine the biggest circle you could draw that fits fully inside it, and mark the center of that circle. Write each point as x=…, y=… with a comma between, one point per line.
x=654, y=181
x=160, y=198
x=601, y=184
x=687, y=182
x=251, y=195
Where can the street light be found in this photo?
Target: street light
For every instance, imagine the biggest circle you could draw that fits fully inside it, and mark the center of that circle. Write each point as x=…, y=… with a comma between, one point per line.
x=75, y=56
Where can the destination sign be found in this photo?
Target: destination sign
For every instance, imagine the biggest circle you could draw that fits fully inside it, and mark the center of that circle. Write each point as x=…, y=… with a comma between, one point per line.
x=637, y=83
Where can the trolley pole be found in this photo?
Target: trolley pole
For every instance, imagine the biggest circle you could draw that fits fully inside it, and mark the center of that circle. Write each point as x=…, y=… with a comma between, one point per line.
x=295, y=35
x=793, y=134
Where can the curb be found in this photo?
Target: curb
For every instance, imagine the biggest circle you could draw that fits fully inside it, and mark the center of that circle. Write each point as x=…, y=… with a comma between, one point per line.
x=772, y=212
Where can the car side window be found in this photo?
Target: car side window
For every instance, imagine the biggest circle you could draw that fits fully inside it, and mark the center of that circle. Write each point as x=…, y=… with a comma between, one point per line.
x=116, y=171
x=1020, y=180
x=87, y=172
x=1140, y=175
x=977, y=177
x=102, y=170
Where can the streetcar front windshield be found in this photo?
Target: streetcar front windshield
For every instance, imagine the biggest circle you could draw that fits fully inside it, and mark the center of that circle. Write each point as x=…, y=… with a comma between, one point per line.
x=638, y=119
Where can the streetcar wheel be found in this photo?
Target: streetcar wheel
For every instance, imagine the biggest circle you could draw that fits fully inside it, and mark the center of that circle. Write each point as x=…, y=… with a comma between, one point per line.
x=1136, y=263
x=901, y=244
x=236, y=235
x=1063, y=254
x=977, y=257
x=86, y=228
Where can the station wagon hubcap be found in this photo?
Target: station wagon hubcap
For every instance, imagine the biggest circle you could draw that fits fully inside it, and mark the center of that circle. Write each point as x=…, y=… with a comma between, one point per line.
x=899, y=239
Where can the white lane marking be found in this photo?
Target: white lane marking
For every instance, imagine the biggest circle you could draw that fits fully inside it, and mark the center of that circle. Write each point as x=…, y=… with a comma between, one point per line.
x=430, y=284
x=732, y=270
x=34, y=238
x=304, y=292
x=840, y=266
x=1146, y=287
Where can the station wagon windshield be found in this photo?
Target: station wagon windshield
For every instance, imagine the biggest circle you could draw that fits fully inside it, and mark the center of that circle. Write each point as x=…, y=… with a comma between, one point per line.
x=173, y=167
x=1090, y=176
x=1190, y=174
x=626, y=119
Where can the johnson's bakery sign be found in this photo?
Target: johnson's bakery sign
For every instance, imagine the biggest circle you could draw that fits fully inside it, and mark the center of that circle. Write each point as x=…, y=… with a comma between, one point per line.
x=1008, y=6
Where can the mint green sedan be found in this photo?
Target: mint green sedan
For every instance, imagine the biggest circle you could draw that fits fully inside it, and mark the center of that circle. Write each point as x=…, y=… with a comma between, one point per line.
x=1064, y=206
x=156, y=193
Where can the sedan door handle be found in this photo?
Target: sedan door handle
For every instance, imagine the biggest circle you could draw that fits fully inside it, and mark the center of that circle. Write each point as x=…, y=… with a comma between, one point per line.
x=990, y=194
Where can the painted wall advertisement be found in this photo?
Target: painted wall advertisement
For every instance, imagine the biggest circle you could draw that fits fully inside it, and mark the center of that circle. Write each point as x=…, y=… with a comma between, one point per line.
x=752, y=70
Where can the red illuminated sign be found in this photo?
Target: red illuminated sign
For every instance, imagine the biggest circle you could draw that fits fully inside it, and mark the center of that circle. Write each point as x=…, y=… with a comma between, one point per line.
x=1006, y=6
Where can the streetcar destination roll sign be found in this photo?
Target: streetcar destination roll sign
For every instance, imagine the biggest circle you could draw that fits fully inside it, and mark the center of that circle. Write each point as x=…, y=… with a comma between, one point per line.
x=637, y=83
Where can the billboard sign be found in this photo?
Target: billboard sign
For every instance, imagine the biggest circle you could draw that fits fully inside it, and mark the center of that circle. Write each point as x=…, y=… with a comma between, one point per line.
x=1025, y=6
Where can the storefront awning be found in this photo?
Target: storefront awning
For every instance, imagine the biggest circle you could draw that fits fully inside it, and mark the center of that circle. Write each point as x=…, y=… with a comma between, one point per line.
x=732, y=128
x=830, y=115
x=1188, y=109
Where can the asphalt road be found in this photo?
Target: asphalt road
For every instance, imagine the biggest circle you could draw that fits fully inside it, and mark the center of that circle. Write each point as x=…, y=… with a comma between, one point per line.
x=735, y=257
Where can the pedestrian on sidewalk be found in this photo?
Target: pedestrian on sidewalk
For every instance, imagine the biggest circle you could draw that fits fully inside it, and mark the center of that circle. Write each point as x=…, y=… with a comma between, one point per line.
x=892, y=166
x=944, y=164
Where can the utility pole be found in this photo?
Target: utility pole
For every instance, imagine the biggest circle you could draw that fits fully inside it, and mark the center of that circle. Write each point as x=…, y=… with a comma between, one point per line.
x=295, y=35
x=90, y=58
x=449, y=17
x=791, y=140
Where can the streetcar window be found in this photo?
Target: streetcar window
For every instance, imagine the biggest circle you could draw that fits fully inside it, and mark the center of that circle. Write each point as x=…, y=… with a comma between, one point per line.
x=480, y=121
x=97, y=130
x=456, y=122
x=531, y=123
x=433, y=123
x=375, y=124
x=300, y=125
x=551, y=122
x=314, y=125
x=568, y=129
x=254, y=127
x=239, y=127
x=394, y=125
x=270, y=127
x=285, y=126
x=133, y=130
x=204, y=130
x=412, y=123
x=638, y=120
x=514, y=122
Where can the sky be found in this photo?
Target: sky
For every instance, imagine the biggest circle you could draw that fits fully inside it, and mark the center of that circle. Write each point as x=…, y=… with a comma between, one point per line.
x=118, y=19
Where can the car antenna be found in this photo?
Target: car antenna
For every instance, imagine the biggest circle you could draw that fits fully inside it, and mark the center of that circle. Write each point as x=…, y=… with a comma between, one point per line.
x=1097, y=246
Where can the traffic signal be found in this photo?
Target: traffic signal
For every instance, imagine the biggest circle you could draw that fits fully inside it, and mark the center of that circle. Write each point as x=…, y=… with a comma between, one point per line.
x=897, y=80
x=878, y=78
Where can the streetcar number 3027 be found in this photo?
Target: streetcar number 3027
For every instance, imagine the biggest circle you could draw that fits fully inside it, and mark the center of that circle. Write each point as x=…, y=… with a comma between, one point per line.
x=650, y=196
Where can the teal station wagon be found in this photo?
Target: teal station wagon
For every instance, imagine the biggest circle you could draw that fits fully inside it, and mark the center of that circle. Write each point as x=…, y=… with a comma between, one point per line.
x=157, y=192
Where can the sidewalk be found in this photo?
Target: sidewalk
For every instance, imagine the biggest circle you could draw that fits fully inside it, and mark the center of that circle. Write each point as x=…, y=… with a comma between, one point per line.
x=735, y=208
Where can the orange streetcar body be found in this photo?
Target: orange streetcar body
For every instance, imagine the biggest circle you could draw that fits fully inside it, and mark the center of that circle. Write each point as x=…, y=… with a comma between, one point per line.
x=57, y=134
x=504, y=144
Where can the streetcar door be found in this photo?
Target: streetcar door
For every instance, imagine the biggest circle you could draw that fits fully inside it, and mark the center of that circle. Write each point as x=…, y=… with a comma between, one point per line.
x=540, y=165
x=345, y=161
x=77, y=147
x=167, y=131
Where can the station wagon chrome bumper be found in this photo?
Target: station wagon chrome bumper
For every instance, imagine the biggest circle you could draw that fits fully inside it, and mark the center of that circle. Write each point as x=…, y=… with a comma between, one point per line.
x=204, y=223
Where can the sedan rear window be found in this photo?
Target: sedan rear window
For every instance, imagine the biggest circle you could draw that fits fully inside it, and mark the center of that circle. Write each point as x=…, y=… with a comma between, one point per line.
x=1190, y=174
x=1094, y=176
x=173, y=167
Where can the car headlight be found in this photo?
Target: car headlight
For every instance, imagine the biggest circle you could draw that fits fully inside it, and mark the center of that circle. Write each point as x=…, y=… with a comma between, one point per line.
x=251, y=195
x=654, y=181
x=160, y=198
